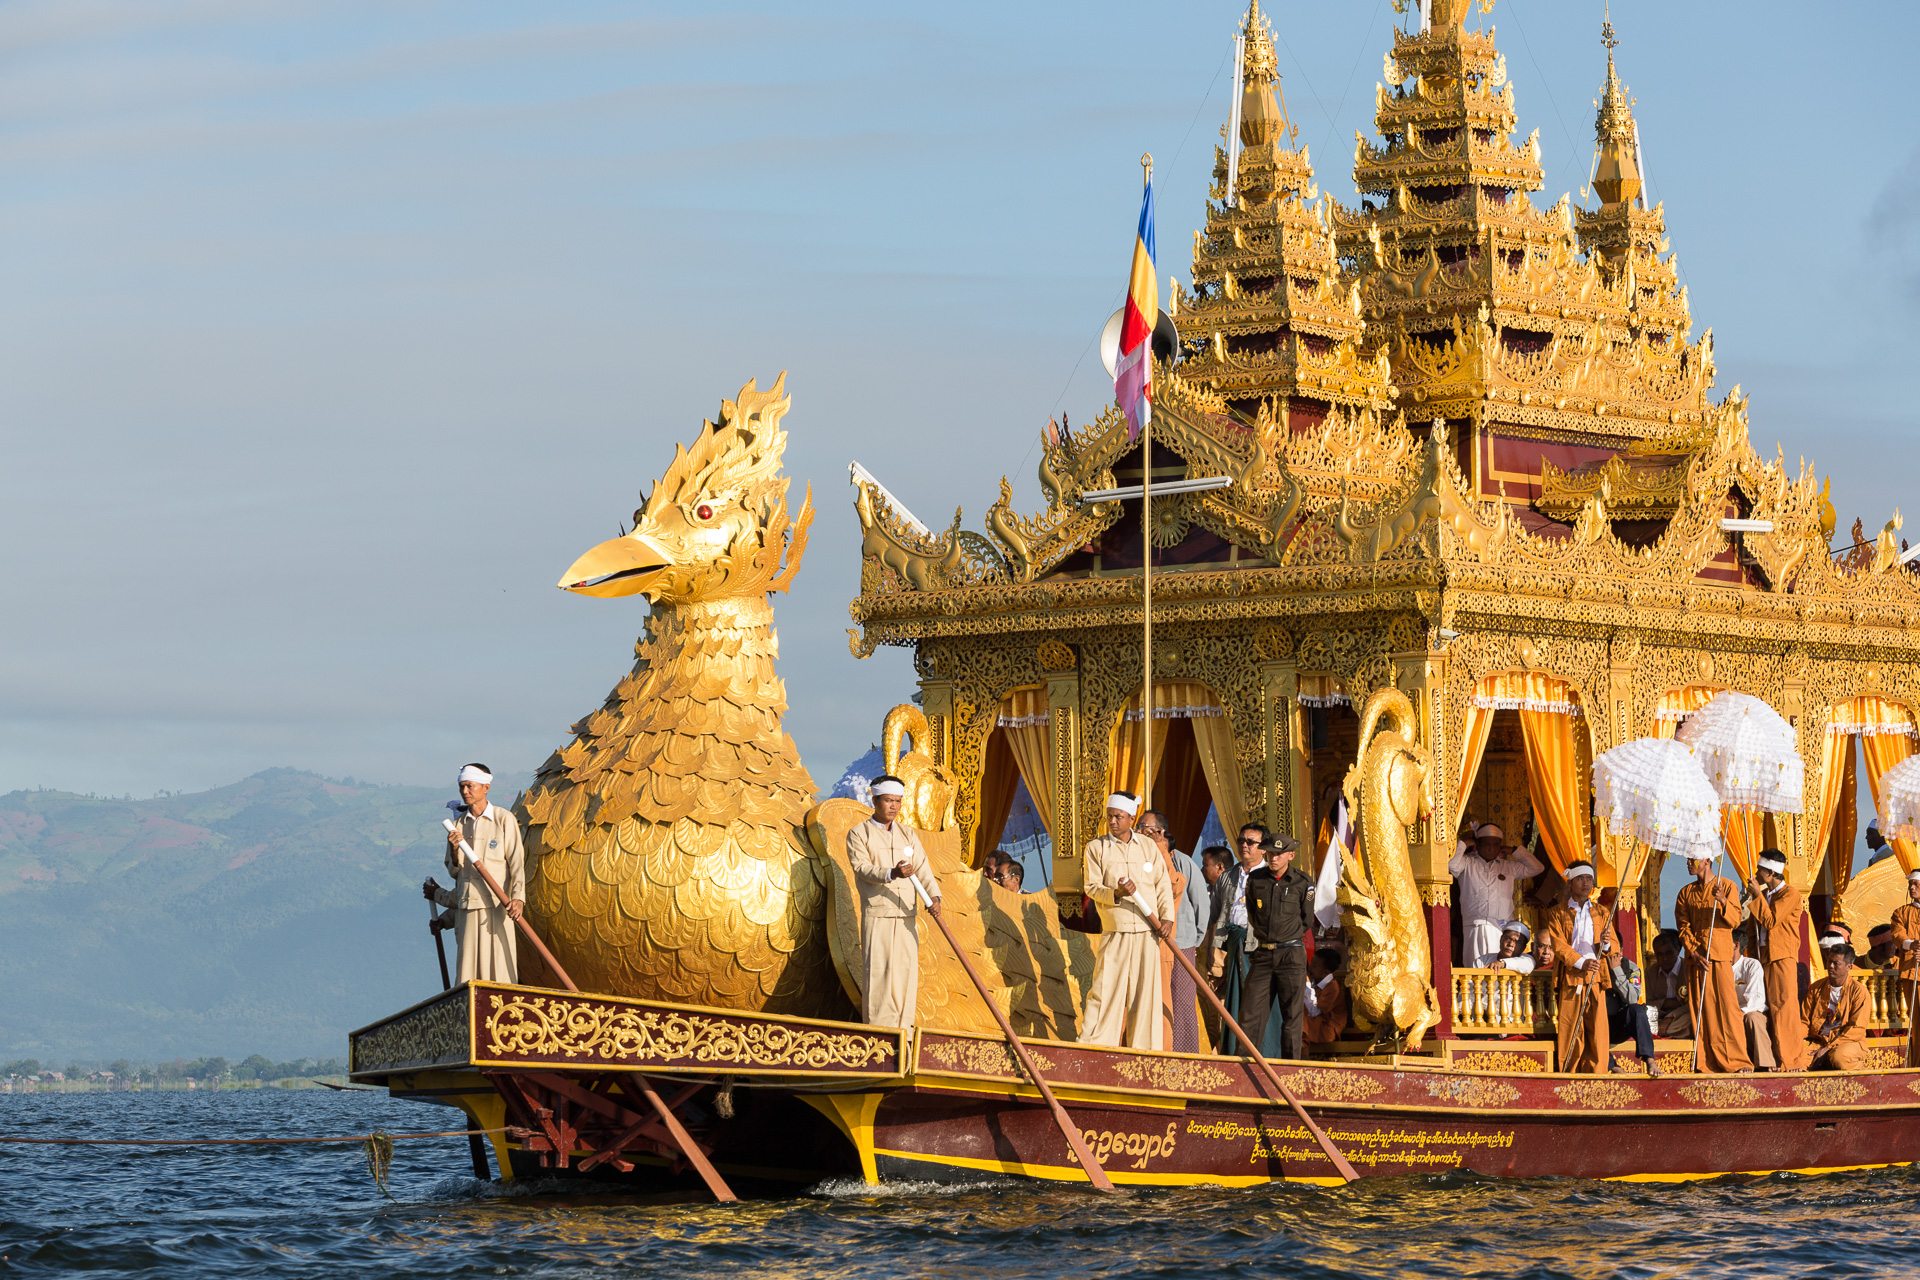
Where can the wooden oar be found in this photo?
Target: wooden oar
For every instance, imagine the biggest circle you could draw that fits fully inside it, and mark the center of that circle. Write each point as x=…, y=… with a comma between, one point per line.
x=1913, y=1010
x=501, y=895
x=1272, y=1077
x=1068, y=1129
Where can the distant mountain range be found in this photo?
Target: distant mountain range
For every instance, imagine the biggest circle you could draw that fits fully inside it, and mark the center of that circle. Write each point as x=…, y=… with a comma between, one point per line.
x=269, y=917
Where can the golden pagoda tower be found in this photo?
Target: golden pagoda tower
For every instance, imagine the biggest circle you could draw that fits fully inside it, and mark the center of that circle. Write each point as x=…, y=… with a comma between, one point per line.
x=1556, y=337
x=1273, y=324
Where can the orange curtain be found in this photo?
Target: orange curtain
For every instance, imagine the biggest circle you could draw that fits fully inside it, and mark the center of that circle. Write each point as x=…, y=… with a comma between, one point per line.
x=1220, y=762
x=999, y=779
x=1213, y=739
x=1884, y=750
x=1180, y=789
x=1744, y=830
x=1677, y=704
x=1027, y=724
x=1557, y=784
x=1836, y=796
x=1473, y=747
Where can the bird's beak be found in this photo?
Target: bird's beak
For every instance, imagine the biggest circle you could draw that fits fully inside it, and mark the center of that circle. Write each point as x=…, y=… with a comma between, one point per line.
x=618, y=567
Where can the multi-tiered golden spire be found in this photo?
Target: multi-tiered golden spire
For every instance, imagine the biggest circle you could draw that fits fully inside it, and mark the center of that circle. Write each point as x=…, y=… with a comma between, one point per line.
x=1616, y=175
x=1273, y=324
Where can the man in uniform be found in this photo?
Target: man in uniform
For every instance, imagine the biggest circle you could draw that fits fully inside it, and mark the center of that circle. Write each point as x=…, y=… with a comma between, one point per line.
x=1486, y=877
x=1776, y=936
x=1906, y=950
x=1280, y=915
x=1836, y=1012
x=1124, y=872
x=885, y=855
x=483, y=926
x=1585, y=945
x=1706, y=913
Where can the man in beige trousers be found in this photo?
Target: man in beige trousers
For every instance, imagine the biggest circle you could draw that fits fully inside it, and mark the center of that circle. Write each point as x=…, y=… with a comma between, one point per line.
x=1124, y=872
x=481, y=925
x=884, y=853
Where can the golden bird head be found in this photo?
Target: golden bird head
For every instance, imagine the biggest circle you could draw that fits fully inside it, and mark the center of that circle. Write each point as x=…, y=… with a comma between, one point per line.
x=716, y=524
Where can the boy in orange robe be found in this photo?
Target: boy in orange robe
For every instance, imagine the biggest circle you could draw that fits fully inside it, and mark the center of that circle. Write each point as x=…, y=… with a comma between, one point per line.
x=1326, y=998
x=1776, y=916
x=1836, y=1012
x=1585, y=946
x=1706, y=912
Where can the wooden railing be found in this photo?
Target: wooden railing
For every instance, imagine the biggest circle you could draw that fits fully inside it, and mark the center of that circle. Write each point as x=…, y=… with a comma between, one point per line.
x=1887, y=1000
x=1500, y=1002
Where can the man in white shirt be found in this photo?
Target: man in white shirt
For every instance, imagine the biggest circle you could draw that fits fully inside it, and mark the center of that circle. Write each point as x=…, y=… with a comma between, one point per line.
x=483, y=925
x=1485, y=880
x=886, y=856
x=1750, y=985
x=1516, y=941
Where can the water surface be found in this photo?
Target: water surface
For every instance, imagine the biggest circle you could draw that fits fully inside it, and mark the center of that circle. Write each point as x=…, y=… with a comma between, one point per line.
x=313, y=1212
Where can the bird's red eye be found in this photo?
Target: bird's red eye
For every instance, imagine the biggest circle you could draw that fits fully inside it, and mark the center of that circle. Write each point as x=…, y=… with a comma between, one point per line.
x=704, y=511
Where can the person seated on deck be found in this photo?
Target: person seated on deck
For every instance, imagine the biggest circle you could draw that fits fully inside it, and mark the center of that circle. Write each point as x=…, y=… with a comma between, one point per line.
x=1750, y=984
x=1514, y=953
x=1836, y=1016
x=1629, y=1017
x=1585, y=945
x=1485, y=880
x=1665, y=990
x=1326, y=999
x=1881, y=949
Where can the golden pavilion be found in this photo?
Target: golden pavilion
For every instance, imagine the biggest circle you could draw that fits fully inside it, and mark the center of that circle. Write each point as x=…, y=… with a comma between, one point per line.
x=1475, y=453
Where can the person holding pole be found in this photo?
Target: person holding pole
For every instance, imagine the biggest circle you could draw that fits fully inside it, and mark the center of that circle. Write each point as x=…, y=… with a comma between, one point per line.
x=1706, y=913
x=885, y=854
x=1124, y=873
x=1586, y=947
x=483, y=926
x=1776, y=924
x=1906, y=954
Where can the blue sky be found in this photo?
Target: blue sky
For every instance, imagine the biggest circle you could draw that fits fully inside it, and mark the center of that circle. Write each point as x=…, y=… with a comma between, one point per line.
x=330, y=333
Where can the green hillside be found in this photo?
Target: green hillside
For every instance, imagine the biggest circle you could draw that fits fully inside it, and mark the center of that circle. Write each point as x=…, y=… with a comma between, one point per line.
x=266, y=917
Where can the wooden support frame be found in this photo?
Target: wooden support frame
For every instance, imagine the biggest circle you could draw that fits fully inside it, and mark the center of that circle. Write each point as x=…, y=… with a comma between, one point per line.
x=555, y=1115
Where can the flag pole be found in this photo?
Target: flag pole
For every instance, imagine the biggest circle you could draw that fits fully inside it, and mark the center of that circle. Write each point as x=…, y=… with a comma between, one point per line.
x=1146, y=553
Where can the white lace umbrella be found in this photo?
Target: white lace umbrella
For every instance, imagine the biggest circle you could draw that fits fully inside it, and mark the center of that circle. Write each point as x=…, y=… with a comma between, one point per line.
x=1750, y=753
x=1654, y=790
x=1900, y=800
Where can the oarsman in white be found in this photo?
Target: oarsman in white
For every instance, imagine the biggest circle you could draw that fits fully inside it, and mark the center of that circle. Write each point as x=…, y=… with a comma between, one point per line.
x=1124, y=872
x=482, y=924
x=886, y=854
x=1486, y=877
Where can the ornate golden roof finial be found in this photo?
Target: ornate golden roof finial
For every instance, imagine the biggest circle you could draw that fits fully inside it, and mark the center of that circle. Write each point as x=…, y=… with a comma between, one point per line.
x=1262, y=118
x=1617, y=176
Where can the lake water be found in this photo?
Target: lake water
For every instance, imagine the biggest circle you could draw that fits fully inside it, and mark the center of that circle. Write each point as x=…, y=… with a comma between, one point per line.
x=313, y=1212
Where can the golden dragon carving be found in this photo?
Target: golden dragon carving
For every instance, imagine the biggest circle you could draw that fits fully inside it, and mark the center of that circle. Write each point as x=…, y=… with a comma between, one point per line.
x=1390, y=973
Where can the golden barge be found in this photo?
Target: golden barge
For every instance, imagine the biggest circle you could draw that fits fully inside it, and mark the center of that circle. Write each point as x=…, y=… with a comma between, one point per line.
x=1478, y=520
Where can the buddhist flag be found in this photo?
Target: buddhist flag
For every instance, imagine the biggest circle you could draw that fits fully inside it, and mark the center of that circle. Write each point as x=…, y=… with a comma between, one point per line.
x=1133, y=371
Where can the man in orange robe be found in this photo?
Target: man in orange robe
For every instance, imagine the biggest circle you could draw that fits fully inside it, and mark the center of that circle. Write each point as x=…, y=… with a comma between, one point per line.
x=1776, y=919
x=1706, y=913
x=1906, y=953
x=1836, y=1012
x=1585, y=947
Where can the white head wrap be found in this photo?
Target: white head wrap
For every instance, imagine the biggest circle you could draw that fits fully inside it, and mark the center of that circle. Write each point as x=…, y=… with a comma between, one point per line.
x=1829, y=941
x=1487, y=830
x=474, y=773
x=1913, y=875
x=1519, y=927
x=1697, y=854
x=888, y=788
x=1776, y=865
x=1124, y=805
x=1580, y=869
